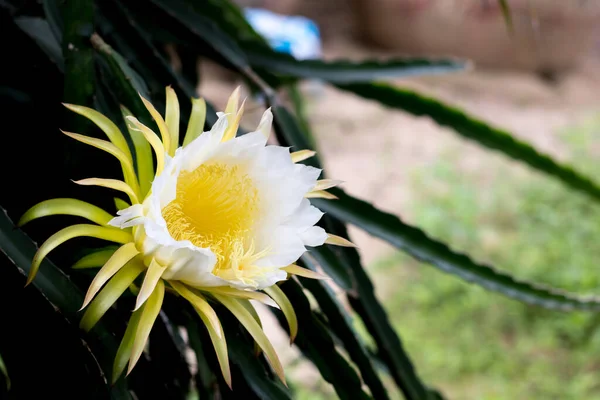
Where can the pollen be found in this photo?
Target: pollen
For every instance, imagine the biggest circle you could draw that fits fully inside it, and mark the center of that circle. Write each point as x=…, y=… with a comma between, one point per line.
x=215, y=207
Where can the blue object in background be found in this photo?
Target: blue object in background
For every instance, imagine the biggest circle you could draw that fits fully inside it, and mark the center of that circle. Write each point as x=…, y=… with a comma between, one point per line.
x=295, y=35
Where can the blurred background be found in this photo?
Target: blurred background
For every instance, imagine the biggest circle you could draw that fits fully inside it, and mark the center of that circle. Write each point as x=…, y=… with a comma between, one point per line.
x=536, y=75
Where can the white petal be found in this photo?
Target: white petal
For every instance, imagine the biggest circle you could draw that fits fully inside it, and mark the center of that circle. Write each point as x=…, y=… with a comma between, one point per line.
x=250, y=140
x=270, y=278
x=202, y=148
x=128, y=217
x=165, y=185
x=277, y=160
x=219, y=128
x=305, y=216
x=306, y=175
x=314, y=236
x=280, y=182
x=285, y=247
x=194, y=267
x=184, y=261
x=240, y=150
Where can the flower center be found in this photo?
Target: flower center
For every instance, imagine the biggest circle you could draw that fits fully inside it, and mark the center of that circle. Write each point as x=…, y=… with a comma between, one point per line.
x=215, y=206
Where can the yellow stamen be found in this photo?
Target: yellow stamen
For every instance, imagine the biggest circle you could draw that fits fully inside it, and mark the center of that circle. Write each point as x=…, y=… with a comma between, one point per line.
x=241, y=264
x=215, y=207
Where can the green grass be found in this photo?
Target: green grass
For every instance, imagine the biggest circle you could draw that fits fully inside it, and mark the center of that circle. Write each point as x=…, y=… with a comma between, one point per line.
x=475, y=344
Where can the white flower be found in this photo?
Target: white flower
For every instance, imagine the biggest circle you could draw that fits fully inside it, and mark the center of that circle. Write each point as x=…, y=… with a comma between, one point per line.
x=220, y=211
x=227, y=212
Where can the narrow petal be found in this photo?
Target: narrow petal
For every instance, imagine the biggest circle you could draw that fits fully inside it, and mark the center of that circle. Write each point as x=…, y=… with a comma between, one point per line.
x=286, y=307
x=152, y=138
x=153, y=274
x=234, y=123
x=95, y=259
x=121, y=204
x=126, y=163
x=266, y=121
x=124, y=351
x=255, y=331
x=147, y=319
x=66, y=207
x=199, y=303
x=100, y=232
x=112, y=266
x=143, y=156
x=112, y=131
x=304, y=272
x=231, y=111
x=110, y=293
x=217, y=337
x=250, y=308
x=172, y=119
x=320, y=194
x=162, y=126
x=242, y=294
x=196, y=122
x=233, y=101
x=338, y=241
x=326, y=184
x=302, y=155
x=111, y=184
